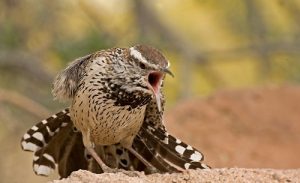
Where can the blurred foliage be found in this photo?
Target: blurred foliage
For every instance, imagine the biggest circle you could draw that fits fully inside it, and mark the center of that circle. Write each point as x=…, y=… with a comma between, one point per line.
x=211, y=45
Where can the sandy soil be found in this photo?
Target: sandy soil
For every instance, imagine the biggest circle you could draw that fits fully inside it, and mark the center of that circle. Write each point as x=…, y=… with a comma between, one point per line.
x=215, y=175
x=250, y=128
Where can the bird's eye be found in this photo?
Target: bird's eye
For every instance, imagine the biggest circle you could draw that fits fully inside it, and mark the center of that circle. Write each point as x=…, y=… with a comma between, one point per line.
x=142, y=66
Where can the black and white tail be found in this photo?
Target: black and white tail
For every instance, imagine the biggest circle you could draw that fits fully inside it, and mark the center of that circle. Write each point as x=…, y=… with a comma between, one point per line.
x=167, y=151
x=41, y=134
x=55, y=143
x=52, y=141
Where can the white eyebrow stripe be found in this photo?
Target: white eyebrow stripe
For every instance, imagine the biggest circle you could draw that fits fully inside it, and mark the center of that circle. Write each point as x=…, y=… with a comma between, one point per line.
x=136, y=54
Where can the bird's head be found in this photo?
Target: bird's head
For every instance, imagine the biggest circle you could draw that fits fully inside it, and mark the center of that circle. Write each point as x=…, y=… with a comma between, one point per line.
x=150, y=66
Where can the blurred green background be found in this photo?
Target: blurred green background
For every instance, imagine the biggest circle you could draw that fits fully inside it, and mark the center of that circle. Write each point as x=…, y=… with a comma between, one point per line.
x=211, y=45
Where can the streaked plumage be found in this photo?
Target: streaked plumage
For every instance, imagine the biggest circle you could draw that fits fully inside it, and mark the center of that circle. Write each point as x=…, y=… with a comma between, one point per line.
x=116, y=105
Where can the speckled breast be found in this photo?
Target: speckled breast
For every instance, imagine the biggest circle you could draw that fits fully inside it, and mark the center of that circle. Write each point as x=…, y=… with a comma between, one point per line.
x=106, y=123
x=117, y=125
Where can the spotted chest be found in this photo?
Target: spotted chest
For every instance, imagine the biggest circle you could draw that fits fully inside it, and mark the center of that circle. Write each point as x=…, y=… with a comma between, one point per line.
x=103, y=110
x=106, y=123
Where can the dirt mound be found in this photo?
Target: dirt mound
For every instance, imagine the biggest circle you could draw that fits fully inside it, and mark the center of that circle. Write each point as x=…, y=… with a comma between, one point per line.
x=251, y=128
x=215, y=175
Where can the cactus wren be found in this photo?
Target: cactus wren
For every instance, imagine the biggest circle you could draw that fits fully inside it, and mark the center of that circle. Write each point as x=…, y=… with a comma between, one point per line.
x=114, y=120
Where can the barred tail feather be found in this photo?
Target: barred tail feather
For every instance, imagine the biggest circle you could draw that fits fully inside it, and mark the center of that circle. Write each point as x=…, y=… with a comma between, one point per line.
x=65, y=151
x=173, y=150
x=54, y=143
x=41, y=134
x=145, y=148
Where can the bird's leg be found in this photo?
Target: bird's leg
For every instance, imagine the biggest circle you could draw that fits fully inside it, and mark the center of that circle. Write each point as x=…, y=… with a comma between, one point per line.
x=149, y=165
x=103, y=166
x=107, y=169
x=90, y=148
x=89, y=145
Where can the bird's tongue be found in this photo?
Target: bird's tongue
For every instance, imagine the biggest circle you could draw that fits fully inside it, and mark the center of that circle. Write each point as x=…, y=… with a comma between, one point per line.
x=154, y=80
x=158, y=102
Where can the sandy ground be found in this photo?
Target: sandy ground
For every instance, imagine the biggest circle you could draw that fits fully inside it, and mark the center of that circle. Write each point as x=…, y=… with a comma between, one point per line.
x=249, y=128
x=215, y=175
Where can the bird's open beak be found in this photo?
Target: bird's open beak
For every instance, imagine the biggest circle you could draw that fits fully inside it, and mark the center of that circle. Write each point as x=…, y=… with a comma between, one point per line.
x=155, y=80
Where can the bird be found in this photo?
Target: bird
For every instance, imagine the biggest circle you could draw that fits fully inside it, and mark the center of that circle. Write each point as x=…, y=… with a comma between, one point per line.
x=115, y=118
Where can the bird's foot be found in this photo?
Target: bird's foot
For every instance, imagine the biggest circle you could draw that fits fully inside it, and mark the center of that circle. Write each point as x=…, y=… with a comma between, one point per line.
x=153, y=170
